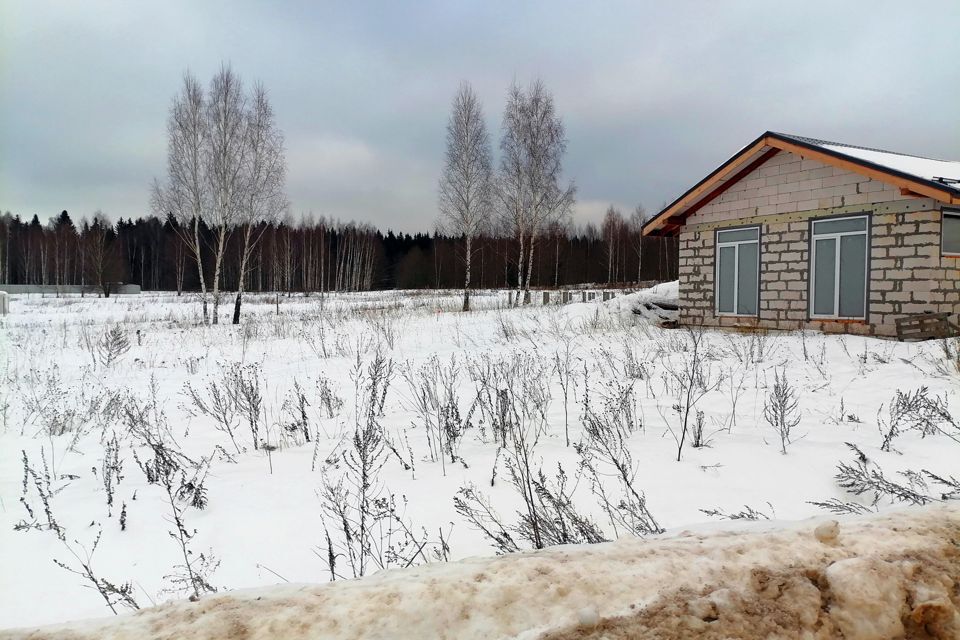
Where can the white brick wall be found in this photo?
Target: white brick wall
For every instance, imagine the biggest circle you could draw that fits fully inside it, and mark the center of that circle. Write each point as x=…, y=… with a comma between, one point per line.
x=786, y=183
x=907, y=275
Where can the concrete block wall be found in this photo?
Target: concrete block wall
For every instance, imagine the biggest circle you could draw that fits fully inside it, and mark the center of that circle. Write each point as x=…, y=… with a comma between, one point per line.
x=787, y=183
x=907, y=275
x=783, y=277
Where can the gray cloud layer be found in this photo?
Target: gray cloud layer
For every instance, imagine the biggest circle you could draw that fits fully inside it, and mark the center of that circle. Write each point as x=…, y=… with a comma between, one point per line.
x=653, y=96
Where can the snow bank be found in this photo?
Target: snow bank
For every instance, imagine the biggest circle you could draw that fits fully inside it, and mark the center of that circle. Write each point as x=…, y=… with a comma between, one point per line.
x=657, y=304
x=888, y=576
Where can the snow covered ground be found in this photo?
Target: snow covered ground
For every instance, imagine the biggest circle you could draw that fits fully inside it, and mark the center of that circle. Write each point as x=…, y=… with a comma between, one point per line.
x=862, y=578
x=92, y=433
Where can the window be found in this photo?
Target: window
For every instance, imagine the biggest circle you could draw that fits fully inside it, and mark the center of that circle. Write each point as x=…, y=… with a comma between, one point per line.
x=951, y=233
x=738, y=270
x=838, y=267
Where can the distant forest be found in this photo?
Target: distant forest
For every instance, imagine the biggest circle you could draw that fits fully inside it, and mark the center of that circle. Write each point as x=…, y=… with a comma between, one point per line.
x=320, y=255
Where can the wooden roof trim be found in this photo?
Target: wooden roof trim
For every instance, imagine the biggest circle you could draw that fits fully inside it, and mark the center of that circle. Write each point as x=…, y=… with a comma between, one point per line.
x=674, y=215
x=742, y=173
x=726, y=169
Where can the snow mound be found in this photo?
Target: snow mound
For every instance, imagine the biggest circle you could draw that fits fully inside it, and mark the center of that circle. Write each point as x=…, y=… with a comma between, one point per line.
x=883, y=576
x=656, y=304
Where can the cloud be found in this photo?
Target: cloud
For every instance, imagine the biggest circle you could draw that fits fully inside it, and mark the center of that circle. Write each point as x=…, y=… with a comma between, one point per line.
x=592, y=211
x=355, y=180
x=330, y=158
x=653, y=96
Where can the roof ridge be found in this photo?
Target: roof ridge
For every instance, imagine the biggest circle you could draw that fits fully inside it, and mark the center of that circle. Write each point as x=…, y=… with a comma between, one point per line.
x=819, y=142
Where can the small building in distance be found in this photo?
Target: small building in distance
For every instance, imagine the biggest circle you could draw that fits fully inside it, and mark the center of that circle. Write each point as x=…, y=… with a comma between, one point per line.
x=795, y=232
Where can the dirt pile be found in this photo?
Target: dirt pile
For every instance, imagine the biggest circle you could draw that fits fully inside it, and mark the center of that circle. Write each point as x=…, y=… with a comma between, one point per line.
x=912, y=596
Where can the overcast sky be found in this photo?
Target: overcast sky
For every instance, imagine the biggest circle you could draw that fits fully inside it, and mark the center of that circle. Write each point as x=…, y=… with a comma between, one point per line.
x=653, y=95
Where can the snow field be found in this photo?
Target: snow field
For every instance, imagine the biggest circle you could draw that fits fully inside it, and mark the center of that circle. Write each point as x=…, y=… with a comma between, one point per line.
x=63, y=399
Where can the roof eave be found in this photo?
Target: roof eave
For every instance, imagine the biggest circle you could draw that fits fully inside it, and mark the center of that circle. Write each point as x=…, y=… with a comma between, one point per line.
x=658, y=224
x=656, y=221
x=950, y=192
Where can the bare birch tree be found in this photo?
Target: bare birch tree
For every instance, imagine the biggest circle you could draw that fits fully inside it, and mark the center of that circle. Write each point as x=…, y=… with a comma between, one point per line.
x=612, y=228
x=511, y=185
x=637, y=218
x=225, y=168
x=263, y=181
x=226, y=160
x=185, y=192
x=546, y=143
x=533, y=144
x=465, y=187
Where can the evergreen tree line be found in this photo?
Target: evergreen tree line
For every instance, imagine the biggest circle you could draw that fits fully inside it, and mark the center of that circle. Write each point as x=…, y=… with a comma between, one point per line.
x=315, y=255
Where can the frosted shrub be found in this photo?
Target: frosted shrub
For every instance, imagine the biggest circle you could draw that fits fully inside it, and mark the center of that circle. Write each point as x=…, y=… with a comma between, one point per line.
x=330, y=402
x=550, y=518
x=41, y=485
x=434, y=397
x=384, y=327
x=57, y=408
x=182, y=481
x=863, y=477
x=365, y=517
x=563, y=366
x=507, y=330
x=950, y=364
x=606, y=460
x=82, y=564
x=314, y=334
x=477, y=509
x=296, y=424
x=113, y=344
x=617, y=377
x=688, y=376
x=751, y=348
x=42, y=396
x=513, y=390
x=913, y=411
x=747, y=513
x=514, y=397
x=215, y=401
x=113, y=594
x=781, y=409
x=111, y=470
x=243, y=386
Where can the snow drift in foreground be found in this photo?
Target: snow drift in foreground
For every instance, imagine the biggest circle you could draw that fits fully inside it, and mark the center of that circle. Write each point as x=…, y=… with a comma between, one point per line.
x=888, y=576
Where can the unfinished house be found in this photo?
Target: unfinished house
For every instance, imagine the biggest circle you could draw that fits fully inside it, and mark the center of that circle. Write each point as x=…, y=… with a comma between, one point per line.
x=794, y=232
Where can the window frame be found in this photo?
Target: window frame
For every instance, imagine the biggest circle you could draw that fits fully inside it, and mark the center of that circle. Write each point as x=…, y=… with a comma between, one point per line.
x=944, y=214
x=736, y=269
x=812, y=265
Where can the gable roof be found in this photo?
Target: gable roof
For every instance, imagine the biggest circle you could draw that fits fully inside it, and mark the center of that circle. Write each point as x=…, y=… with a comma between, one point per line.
x=924, y=177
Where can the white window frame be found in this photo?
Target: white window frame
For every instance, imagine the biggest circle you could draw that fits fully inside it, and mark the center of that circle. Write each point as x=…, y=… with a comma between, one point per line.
x=736, y=271
x=836, y=275
x=947, y=213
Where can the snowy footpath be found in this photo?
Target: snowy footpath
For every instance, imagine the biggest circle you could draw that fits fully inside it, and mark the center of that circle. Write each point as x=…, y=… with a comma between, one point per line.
x=857, y=578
